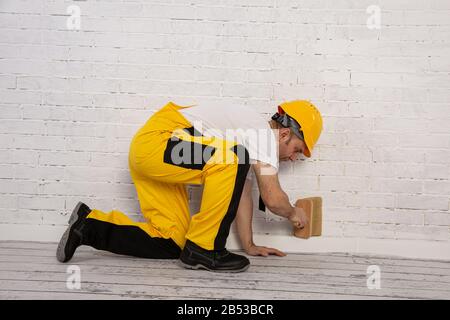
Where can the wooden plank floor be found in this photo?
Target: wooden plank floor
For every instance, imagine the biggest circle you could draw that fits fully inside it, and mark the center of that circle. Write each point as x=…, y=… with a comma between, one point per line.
x=29, y=270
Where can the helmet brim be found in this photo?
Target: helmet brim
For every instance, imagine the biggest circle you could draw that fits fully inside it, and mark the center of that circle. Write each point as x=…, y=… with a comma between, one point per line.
x=307, y=153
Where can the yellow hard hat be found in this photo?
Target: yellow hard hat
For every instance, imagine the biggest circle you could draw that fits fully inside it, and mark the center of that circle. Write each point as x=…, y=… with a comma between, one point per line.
x=309, y=119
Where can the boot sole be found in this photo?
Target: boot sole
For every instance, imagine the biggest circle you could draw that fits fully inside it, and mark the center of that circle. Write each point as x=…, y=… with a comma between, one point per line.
x=60, y=252
x=200, y=266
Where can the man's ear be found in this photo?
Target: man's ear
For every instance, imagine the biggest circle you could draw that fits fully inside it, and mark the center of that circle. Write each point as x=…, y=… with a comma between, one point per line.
x=284, y=133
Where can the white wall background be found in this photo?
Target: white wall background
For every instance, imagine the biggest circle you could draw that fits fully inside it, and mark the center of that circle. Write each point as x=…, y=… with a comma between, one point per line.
x=70, y=101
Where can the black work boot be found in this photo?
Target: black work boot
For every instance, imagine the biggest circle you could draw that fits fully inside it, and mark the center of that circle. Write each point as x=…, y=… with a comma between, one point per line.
x=72, y=238
x=195, y=257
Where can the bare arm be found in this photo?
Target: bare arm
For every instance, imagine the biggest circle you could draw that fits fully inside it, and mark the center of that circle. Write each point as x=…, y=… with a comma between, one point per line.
x=271, y=193
x=244, y=225
x=244, y=217
x=274, y=197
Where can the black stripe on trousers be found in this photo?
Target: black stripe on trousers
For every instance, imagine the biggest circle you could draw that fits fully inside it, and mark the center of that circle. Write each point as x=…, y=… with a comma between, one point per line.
x=243, y=167
x=127, y=240
x=187, y=154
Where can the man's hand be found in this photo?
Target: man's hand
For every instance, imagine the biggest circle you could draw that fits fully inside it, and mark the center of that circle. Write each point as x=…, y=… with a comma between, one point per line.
x=298, y=218
x=263, y=251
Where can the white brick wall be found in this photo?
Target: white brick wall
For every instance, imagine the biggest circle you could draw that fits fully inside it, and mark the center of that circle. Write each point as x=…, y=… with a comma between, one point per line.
x=70, y=101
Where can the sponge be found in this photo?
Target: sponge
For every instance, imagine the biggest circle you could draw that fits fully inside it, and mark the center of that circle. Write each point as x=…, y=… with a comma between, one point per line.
x=313, y=210
x=306, y=231
x=316, y=215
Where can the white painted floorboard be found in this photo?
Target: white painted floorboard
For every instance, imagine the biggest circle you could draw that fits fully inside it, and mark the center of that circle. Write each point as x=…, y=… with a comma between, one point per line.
x=29, y=270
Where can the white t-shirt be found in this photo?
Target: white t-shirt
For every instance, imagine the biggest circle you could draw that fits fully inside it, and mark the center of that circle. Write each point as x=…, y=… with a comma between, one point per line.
x=242, y=124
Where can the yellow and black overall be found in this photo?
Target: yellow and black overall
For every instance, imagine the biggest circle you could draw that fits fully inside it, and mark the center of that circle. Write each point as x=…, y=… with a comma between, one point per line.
x=163, y=158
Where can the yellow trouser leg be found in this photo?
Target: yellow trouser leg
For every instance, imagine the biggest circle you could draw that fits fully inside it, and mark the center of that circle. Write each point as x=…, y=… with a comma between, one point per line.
x=165, y=206
x=116, y=232
x=121, y=219
x=159, y=178
x=210, y=227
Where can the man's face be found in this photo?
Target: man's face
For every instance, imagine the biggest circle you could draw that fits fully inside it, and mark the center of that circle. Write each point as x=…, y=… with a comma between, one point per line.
x=290, y=146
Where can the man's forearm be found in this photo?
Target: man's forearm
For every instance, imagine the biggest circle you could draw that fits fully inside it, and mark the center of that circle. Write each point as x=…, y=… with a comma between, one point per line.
x=281, y=206
x=273, y=196
x=244, y=218
x=244, y=228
